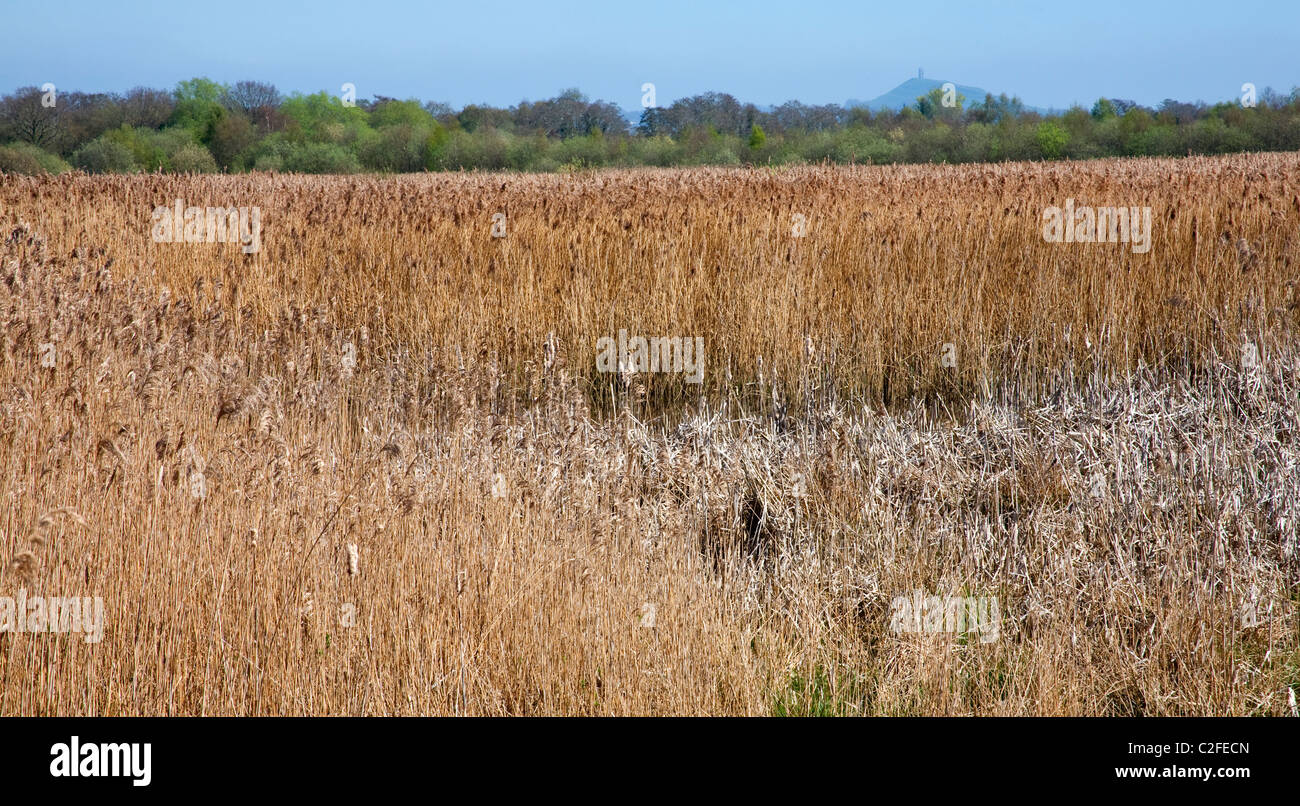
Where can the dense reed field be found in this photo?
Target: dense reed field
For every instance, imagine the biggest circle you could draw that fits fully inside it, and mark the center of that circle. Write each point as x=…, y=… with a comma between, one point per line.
x=372, y=467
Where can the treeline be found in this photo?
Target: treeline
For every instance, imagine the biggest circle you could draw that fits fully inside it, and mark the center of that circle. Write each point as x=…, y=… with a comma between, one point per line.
x=204, y=126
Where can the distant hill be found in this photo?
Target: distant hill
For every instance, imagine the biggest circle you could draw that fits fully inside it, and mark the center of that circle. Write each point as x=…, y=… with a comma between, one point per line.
x=905, y=94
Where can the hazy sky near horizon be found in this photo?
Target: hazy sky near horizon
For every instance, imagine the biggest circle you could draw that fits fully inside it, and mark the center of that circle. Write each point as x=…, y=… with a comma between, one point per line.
x=503, y=51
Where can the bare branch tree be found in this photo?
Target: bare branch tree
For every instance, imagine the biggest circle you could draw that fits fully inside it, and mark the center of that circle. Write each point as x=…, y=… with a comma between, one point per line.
x=251, y=96
x=24, y=117
x=145, y=106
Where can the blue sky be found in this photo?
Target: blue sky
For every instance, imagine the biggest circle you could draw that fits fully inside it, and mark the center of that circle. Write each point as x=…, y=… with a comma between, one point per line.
x=1049, y=52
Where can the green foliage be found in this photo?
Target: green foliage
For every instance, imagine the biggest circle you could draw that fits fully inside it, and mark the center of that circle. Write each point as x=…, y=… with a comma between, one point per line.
x=1135, y=121
x=398, y=147
x=937, y=143
x=16, y=161
x=863, y=144
x=817, y=695
x=588, y=151
x=1103, y=109
x=1214, y=136
x=250, y=127
x=1052, y=139
x=1158, y=141
x=719, y=149
x=818, y=147
x=269, y=162
x=323, y=118
x=232, y=137
x=1015, y=142
x=193, y=158
x=527, y=153
x=151, y=149
x=320, y=158
x=459, y=151
x=435, y=145
x=102, y=155
x=145, y=152
x=25, y=158
x=401, y=113
x=270, y=153
x=474, y=117
x=1077, y=122
x=198, y=106
x=200, y=89
x=931, y=105
x=659, y=150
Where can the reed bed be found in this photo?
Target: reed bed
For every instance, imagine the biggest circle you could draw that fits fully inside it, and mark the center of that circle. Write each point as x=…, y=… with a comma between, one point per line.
x=372, y=469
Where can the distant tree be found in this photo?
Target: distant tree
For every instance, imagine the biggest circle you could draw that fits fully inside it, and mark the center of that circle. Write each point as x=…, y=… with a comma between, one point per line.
x=788, y=117
x=233, y=135
x=996, y=110
x=1052, y=139
x=1272, y=99
x=250, y=97
x=1122, y=106
x=718, y=110
x=103, y=156
x=655, y=121
x=474, y=116
x=569, y=114
x=440, y=111
x=435, y=146
x=390, y=112
x=603, y=117
x=322, y=117
x=25, y=158
x=858, y=116
x=200, y=89
x=193, y=159
x=198, y=106
x=1134, y=120
x=931, y=105
x=251, y=125
x=1076, y=121
x=143, y=106
x=23, y=117
x=794, y=116
x=150, y=148
x=397, y=147
x=20, y=159
x=1103, y=109
x=85, y=116
x=259, y=102
x=321, y=158
x=1175, y=112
